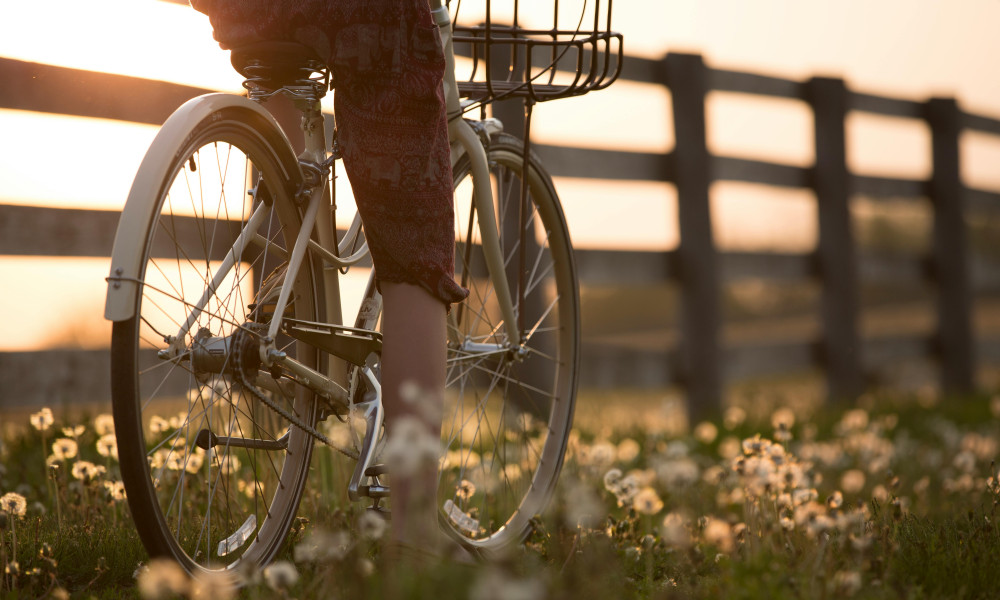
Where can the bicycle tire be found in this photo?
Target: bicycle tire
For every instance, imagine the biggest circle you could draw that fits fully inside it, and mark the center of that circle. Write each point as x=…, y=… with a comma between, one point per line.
x=238, y=505
x=508, y=415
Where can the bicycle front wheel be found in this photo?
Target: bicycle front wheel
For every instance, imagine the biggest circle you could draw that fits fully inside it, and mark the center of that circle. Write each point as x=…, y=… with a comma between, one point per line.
x=213, y=469
x=508, y=409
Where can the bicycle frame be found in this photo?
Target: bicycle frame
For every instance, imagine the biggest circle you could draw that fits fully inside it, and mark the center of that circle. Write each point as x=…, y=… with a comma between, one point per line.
x=311, y=172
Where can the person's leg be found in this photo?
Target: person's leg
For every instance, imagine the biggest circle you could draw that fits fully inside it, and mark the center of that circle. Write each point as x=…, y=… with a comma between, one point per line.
x=413, y=355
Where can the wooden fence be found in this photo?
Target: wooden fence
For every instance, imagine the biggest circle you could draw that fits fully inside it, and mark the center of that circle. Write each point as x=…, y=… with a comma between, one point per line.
x=699, y=362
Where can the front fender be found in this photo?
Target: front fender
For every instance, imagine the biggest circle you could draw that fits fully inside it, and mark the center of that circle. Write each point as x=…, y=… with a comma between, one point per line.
x=153, y=176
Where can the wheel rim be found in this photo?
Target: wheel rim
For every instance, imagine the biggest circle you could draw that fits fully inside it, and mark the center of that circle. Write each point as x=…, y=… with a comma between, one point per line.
x=507, y=413
x=205, y=501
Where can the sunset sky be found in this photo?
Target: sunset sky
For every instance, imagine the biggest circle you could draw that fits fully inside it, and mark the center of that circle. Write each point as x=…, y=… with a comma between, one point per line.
x=911, y=49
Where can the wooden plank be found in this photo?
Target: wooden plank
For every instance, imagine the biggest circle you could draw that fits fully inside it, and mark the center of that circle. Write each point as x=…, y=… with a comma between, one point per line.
x=880, y=353
x=983, y=201
x=892, y=268
x=607, y=366
x=950, y=249
x=881, y=105
x=888, y=187
x=45, y=88
x=756, y=360
x=772, y=266
x=836, y=248
x=624, y=267
x=758, y=171
x=37, y=231
x=722, y=80
x=981, y=123
x=565, y=161
x=697, y=261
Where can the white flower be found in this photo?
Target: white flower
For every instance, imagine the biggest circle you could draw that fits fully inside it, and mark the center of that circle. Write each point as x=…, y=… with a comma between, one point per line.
x=74, y=432
x=116, y=490
x=281, y=575
x=107, y=446
x=163, y=578
x=647, y=502
x=104, y=424
x=13, y=504
x=158, y=424
x=213, y=585
x=628, y=450
x=42, y=419
x=64, y=448
x=86, y=470
x=465, y=490
x=706, y=432
x=371, y=525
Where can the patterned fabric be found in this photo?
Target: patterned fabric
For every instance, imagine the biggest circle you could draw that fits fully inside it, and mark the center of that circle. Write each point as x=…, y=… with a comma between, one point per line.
x=387, y=64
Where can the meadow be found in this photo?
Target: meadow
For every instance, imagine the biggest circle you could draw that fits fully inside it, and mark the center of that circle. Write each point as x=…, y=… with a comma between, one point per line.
x=895, y=496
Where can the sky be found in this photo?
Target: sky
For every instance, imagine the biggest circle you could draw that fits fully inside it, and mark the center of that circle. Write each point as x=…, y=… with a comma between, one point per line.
x=912, y=49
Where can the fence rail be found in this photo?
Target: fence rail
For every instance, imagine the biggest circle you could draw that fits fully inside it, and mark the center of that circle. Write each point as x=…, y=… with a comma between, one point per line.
x=699, y=361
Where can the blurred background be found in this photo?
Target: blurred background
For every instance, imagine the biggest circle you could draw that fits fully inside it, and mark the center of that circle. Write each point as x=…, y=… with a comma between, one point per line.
x=56, y=155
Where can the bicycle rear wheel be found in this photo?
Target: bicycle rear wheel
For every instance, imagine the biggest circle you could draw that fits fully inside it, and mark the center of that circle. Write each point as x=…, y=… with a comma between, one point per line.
x=508, y=410
x=213, y=473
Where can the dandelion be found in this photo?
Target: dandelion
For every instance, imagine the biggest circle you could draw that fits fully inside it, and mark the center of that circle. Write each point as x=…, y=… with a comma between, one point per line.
x=366, y=568
x=783, y=417
x=734, y=417
x=628, y=450
x=73, y=432
x=729, y=448
x=64, y=449
x=611, y=480
x=116, y=490
x=212, y=585
x=675, y=532
x=86, y=471
x=852, y=481
x=42, y=419
x=158, y=424
x=647, y=502
x=104, y=424
x=281, y=575
x=719, y=534
x=411, y=446
x=371, y=525
x=107, y=446
x=706, y=432
x=13, y=504
x=322, y=546
x=162, y=578
x=836, y=500
x=847, y=583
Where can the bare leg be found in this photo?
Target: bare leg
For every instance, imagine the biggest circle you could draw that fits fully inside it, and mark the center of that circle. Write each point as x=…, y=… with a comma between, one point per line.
x=413, y=353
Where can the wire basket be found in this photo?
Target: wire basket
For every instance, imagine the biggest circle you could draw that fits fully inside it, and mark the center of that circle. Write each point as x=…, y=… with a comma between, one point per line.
x=536, y=50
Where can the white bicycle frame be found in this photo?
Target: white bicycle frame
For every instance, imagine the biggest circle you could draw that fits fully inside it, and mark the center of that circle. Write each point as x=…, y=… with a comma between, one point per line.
x=316, y=235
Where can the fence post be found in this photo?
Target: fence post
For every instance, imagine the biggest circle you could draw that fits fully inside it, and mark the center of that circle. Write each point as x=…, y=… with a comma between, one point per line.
x=840, y=347
x=697, y=263
x=950, y=253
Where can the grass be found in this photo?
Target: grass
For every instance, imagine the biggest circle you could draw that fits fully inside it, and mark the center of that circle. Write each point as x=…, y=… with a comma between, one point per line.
x=895, y=500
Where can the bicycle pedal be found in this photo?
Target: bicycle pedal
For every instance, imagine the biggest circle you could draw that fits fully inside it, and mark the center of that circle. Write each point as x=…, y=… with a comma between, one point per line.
x=376, y=470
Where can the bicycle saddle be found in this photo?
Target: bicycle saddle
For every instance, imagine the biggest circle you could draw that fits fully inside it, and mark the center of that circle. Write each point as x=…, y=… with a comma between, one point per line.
x=276, y=64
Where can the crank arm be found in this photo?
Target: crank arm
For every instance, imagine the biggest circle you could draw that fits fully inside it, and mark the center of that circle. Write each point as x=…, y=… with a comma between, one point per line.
x=206, y=440
x=373, y=417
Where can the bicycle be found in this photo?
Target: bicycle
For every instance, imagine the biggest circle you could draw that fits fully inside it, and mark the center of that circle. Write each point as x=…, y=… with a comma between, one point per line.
x=227, y=314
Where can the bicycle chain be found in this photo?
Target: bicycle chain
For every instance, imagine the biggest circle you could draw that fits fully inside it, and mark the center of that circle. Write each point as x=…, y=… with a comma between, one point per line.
x=295, y=420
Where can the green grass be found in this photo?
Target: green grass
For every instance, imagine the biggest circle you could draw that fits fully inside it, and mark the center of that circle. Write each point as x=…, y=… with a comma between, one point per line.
x=922, y=524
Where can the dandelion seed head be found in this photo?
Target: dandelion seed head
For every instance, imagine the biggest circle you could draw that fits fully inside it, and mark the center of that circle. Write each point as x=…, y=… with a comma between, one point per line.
x=162, y=578
x=718, y=533
x=706, y=432
x=280, y=575
x=85, y=470
x=628, y=450
x=366, y=568
x=116, y=490
x=647, y=502
x=733, y=417
x=158, y=424
x=852, y=481
x=371, y=525
x=42, y=419
x=783, y=417
x=64, y=449
x=729, y=448
x=107, y=446
x=465, y=490
x=213, y=585
x=13, y=504
x=104, y=424
x=675, y=530
x=74, y=431
x=847, y=583
x=611, y=479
